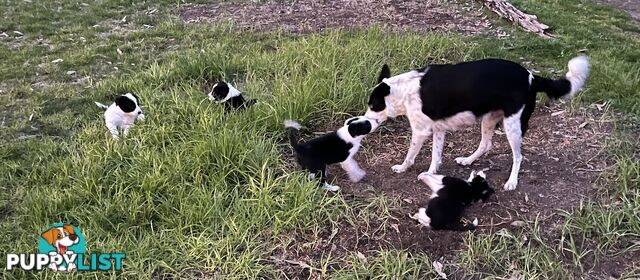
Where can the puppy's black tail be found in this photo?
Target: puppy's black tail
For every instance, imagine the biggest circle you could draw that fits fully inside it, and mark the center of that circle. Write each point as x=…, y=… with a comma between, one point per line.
x=569, y=85
x=293, y=132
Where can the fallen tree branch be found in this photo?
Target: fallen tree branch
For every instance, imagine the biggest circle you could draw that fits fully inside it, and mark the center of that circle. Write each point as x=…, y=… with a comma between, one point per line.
x=529, y=22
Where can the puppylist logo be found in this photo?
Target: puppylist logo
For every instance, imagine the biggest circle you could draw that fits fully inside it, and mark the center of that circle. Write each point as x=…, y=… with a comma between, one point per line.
x=62, y=247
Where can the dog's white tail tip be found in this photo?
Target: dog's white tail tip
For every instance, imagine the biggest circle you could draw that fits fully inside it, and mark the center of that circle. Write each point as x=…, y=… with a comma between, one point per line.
x=100, y=105
x=291, y=124
x=475, y=222
x=578, y=72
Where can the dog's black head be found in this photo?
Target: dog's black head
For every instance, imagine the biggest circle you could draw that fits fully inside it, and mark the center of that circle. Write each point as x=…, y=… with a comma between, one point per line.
x=128, y=103
x=359, y=126
x=222, y=92
x=377, y=104
x=480, y=188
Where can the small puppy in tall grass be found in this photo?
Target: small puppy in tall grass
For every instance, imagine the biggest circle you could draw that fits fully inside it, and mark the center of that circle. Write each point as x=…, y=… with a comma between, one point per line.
x=339, y=146
x=449, y=197
x=122, y=113
x=225, y=93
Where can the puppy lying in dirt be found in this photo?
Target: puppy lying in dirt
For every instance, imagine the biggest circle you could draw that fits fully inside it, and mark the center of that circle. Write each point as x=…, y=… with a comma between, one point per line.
x=449, y=197
x=335, y=147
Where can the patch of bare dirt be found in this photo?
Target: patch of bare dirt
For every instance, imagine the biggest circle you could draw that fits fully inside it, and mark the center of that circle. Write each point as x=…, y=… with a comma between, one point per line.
x=305, y=16
x=630, y=6
x=562, y=160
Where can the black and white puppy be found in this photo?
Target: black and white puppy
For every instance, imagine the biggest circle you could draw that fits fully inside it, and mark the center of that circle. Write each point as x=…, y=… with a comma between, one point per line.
x=449, y=197
x=225, y=93
x=122, y=113
x=441, y=98
x=339, y=146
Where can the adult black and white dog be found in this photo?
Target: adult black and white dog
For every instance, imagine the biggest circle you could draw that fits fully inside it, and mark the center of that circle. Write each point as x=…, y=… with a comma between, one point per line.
x=226, y=94
x=449, y=197
x=122, y=113
x=339, y=146
x=441, y=98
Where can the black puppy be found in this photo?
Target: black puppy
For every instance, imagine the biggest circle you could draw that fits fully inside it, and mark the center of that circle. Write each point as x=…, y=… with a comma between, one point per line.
x=232, y=99
x=335, y=147
x=449, y=197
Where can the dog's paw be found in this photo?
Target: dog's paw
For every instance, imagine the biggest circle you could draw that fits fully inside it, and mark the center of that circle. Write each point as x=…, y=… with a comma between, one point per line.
x=357, y=176
x=464, y=161
x=331, y=188
x=399, y=168
x=510, y=185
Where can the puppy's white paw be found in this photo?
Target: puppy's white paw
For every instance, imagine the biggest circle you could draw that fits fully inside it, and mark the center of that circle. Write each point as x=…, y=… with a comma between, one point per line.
x=464, y=161
x=510, y=185
x=399, y=168
x=331, y=188
x=357, y=176
x=423, y=218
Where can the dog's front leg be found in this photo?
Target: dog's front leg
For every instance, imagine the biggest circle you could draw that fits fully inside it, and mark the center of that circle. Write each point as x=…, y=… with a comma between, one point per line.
x=113, y=129
x=353, y=170
x=436, y=151
x=417, y=140
x=125, y=130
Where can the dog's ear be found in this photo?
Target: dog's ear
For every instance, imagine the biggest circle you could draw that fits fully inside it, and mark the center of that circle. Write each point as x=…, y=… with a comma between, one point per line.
x=137, y=98
x=384, y=73
x=51, y=236
x=127, y=105
x=359, y=128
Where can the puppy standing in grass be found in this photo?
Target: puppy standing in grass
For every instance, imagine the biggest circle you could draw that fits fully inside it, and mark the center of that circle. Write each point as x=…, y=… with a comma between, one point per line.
x=122, y=113
x=449, y=197
x=336, y=147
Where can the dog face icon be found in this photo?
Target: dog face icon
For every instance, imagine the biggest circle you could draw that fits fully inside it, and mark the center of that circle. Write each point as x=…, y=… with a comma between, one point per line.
x=61, y=237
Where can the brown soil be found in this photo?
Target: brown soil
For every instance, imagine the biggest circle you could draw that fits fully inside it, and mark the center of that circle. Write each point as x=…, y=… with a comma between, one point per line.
x=304, y=16
x=562, y=159
x=630, y=6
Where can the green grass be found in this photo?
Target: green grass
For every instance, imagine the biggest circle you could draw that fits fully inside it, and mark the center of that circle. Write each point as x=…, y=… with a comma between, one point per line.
x=192, y=190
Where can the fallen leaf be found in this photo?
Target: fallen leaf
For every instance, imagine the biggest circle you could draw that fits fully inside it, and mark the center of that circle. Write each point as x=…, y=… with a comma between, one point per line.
x=518, y=223
x=361, y=257
x=300, y=263
x=71, y=72
x=526, y=197
x=437, y=266
x=557, y=113
x=407, y=200
x=57, y=60
x=18, y=33
x=119, y=51
x=124, y=19
x=601, y=106
x=583, y=124
x=395, y=226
